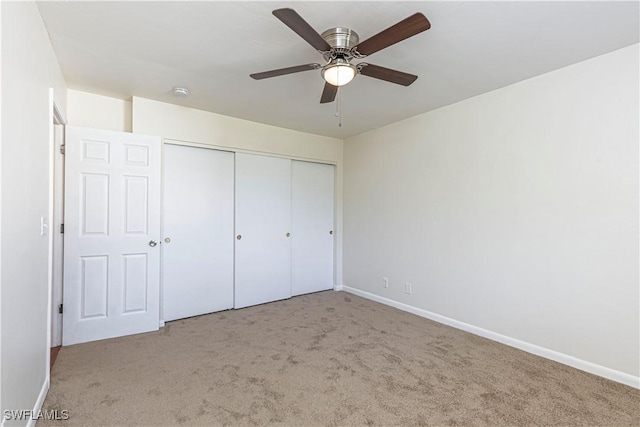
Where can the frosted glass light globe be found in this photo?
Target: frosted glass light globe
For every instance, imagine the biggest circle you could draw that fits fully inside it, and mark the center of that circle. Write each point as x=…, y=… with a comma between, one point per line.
x=338, y=73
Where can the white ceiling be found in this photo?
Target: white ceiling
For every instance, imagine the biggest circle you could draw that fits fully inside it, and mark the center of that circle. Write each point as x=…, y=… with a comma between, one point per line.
x=125, y=49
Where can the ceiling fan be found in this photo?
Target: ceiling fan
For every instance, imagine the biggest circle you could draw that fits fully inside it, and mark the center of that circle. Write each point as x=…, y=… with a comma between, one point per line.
x=339, y=46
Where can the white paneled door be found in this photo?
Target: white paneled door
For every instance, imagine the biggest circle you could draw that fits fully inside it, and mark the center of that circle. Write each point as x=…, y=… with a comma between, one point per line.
x=197, y=250
x=263, y=229
x=112, y=233
x=312, y=196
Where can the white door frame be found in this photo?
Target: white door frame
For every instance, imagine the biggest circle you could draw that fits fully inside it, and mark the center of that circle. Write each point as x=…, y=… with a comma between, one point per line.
x=56, y=117
x=56, y=231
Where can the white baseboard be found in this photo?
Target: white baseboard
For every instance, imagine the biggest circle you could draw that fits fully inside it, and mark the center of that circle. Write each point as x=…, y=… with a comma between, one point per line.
x=338, y=288
x=583, y=365
x=38, y=405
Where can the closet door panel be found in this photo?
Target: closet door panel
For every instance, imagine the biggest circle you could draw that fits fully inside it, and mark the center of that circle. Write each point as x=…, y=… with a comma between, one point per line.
x=198, y=231
x=312, y=227
x=263, y=220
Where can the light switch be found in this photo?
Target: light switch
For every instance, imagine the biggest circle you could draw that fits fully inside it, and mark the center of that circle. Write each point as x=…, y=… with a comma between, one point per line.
x=44, y=226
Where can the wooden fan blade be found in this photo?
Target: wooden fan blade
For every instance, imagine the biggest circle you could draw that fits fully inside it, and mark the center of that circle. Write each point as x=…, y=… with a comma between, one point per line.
x=329, y=93
x=283, y=71
x=291, y=19
x=404, y=29
x=387, y=74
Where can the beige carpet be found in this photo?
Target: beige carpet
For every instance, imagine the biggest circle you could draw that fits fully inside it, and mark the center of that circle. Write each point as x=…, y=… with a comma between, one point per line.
x=329, y=358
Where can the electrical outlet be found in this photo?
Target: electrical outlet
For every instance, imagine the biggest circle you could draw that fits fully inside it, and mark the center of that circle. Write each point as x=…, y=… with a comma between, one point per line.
x=385, y=282
x=407, y=288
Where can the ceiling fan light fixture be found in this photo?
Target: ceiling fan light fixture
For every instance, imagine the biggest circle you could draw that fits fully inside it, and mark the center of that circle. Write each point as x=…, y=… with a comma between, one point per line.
x=338, y=72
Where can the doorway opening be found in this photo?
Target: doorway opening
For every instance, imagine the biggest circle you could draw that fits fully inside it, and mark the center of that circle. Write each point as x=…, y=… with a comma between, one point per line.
x=56, y=240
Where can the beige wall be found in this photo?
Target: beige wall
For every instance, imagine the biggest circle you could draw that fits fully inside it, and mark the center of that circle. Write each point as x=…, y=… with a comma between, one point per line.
x=191, y=125
x=99, y=112
x=513, y=214
x=29, y=70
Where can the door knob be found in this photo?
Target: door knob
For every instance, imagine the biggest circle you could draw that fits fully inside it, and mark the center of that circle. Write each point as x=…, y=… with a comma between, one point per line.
x=167, y=240
x=288, y=234
x=239, y=237
x=152, y=243
x=330, y=231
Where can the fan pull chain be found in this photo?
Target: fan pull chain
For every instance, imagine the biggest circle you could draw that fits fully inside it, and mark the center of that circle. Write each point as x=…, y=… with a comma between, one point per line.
x=339, y=107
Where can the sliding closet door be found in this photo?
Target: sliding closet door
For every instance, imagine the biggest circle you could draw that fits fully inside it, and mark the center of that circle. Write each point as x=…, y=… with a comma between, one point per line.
x=312, y=227
x=263, y=227
x=198, y=231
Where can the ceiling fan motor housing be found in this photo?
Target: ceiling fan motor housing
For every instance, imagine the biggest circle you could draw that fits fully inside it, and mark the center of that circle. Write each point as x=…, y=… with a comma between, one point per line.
x=341, y=39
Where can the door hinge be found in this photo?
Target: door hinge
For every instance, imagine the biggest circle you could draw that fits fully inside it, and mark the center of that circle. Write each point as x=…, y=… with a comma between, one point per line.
x=62, y=149
x=60, y=308
x=61, y=228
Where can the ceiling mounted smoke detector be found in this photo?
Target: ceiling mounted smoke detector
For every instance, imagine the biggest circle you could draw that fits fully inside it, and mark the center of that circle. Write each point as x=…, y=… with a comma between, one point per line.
x=182, y=92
